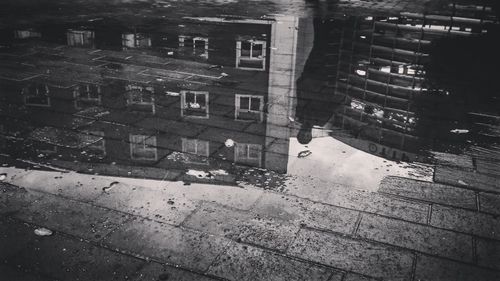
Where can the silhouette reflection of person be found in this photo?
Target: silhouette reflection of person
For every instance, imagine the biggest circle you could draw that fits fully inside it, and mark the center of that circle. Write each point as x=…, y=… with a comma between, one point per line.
x=316, y=99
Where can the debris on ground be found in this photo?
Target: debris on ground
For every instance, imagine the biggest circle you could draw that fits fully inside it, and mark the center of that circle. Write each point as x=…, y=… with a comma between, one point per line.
x=219, y=172
x=3, y=176
x=111, y=185
x=43, y=231
x=459, y=131
x=304, y=153
x=199, y=174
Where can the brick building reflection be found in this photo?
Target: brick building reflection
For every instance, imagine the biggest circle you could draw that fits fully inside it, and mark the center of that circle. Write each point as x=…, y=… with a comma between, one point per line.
x=151, y=101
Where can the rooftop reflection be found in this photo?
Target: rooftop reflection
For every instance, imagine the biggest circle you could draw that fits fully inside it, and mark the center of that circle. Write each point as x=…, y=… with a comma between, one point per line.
x=227, y=100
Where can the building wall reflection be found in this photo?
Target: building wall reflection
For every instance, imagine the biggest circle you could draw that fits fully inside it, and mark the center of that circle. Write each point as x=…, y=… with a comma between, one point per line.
x=168, y=98
x=382, y=71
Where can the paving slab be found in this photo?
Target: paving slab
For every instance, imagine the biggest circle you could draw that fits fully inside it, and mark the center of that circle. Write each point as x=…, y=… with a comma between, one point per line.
x=63, y=258
x=308, y=187
x=462, y=161
x=488, y=166
x=489, y=202
x=156, y=271
x=154, y=203
x=314, y=215
x=488, y=253
x=431, y=192
x=469, y=179
x=243, y=225
x=12, y=173
x=168, y=244
x=13, y=198
x=14, y=274
x=13, y=237
x=417, y=237
x=436, y=269
x=71, y=217
x=72, y=185
x=242, y=262
x=353, y=255
x=471, y=222
x=232, y=196
x=373, y=202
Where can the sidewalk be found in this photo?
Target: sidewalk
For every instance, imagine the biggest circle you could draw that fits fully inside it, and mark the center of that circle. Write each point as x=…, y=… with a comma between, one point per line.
x=152, y=230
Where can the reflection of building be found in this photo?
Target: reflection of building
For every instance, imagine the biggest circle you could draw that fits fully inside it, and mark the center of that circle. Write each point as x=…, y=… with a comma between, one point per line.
x=382, y=71
x=171, y=105
x=169, y=97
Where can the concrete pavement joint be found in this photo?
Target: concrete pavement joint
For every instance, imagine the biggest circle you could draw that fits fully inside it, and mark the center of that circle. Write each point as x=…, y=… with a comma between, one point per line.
x=470, y=187
x=478, y=202
x=127, y=220
x=295, y=258
x=349, y=236
x=474, y=250
x=429, y=214
x=477, y=198
x=259, y=199
x=413, y=267
x=366, y=212
x=356, y=224
x=91, y=203
x=196, y=210
x=226, y=248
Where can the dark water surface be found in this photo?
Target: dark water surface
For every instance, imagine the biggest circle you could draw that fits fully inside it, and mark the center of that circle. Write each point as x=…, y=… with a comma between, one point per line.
x=249, y=92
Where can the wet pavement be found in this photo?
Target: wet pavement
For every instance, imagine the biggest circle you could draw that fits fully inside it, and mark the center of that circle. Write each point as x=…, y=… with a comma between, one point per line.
x=254, y=140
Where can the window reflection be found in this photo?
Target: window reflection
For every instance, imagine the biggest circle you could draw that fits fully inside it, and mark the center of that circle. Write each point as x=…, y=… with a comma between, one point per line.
x=36, y=94
x=249, y=107
x=250, y=54
x=80, y=38
x=197, y=151
x=143, y=147
x=87, y=95
x=140, y=98
x=249, y=154
x=194, y=104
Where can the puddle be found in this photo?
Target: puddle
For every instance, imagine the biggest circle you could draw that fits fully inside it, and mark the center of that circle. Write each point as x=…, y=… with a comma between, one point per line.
x=278, y=92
